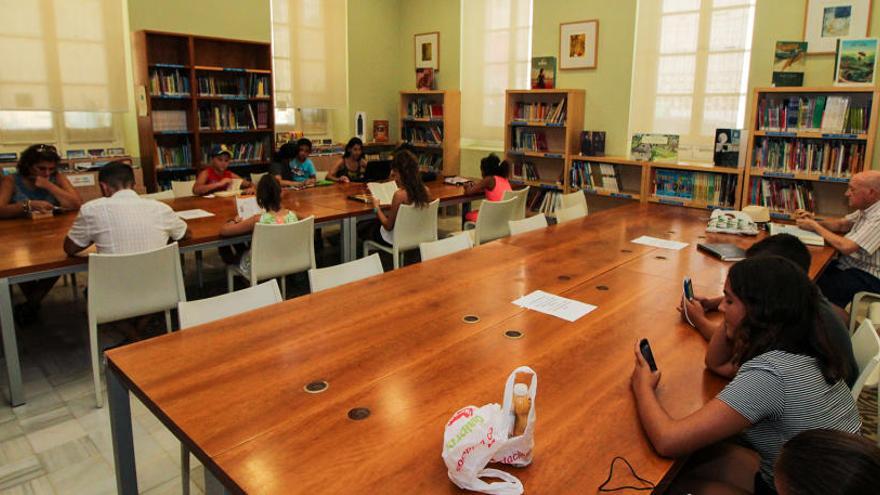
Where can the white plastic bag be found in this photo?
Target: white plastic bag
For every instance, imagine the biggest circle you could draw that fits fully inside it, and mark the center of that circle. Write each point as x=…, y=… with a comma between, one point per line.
x=475, y=436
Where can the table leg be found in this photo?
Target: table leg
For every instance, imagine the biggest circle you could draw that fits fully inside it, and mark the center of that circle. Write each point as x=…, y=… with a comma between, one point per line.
x=120, y=431
x=349, y=239
x=10, y=345
x=213, y=485
x=199, y=265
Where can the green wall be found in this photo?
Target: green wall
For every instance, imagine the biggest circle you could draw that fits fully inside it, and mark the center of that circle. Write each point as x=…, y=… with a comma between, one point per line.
x=426, y=16
x=238, y=19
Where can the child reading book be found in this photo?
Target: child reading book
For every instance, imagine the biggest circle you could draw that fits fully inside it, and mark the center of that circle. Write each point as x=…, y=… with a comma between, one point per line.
x=493, y=183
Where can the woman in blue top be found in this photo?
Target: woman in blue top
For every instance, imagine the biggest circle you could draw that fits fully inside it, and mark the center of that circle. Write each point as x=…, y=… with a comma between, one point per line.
x=292, y=167
x=37, y=186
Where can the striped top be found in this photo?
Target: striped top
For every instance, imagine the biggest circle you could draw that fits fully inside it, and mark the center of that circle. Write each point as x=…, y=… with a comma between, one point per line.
x=783, y=394
x=866, y=233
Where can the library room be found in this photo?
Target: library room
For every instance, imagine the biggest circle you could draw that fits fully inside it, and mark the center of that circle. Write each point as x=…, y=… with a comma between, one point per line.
x=330, y=247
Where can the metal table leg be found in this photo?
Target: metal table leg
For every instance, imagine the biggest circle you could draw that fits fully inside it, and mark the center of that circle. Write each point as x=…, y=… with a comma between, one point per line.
x=213, y=485
x=120, y=430
x=349, y=239
x=10, y=345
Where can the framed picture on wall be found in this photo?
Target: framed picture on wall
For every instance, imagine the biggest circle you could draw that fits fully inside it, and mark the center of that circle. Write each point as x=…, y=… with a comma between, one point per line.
x=827, y=21
x=427, y=49
x=578, y=44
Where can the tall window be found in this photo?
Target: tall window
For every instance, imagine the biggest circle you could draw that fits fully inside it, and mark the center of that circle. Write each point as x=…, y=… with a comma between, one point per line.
x=308, y=43
x=496, y=41
x=691, y=69
x=62, y=72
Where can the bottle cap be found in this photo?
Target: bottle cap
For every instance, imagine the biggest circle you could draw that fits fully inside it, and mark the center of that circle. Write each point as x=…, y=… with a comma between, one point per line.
x=520, y=389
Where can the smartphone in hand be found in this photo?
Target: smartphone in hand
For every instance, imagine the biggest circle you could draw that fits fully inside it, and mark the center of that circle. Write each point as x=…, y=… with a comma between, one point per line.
x=645, y=348
x=688, y=289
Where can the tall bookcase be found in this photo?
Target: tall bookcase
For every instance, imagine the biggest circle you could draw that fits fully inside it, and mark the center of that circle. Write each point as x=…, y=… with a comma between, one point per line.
x=429, y=122
x=805, y=144
x=202, y=91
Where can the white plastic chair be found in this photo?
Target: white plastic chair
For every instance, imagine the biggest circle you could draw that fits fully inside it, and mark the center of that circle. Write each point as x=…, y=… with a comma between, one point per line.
x=866, y=348
x=535, y=222
x=519, y=211
x=443, y=247
x=255, y=177
x=277, y=251
x=577, y=198
x=492, y=221
x=127, y=285
x=182, y=188
x=570, y=213
x=859, y=309
x=167, y=194
x=333, y=276
x=412, y=226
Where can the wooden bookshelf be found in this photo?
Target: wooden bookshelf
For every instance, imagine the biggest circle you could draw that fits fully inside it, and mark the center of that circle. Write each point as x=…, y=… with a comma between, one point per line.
x=823, y=181
x=425, y=119
x=234, y=69
x=709, y=179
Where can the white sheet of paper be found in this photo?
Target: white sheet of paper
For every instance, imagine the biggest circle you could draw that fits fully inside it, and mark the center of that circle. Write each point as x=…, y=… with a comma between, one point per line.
x=553, y=305
x=247, y=207
x=660, y=243
x=193, y=214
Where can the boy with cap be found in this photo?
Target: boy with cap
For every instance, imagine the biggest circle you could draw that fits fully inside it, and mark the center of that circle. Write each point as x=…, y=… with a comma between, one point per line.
x=217, y=176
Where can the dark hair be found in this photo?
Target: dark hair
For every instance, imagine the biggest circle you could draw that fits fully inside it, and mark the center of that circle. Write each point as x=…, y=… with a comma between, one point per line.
x=303, y=142
x=351, y=144
x=407, y=166
x=269, y=193
x=286, y=152
x=785, y=245
x=492, y=165
x=829, y=462
x=35, y=154
x=782, y=313
x=117, y=174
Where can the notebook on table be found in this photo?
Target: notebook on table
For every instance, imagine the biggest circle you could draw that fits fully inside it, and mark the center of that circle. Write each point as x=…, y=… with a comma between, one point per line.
x=807, y=237
x=723, y=251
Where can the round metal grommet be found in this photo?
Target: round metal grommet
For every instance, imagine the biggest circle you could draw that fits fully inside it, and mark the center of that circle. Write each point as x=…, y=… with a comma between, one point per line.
x=701, y=237
x=626, y=250
x=513, y=334
x=564, y=278
x=670, y=232
x=659, y=257
x=316, y=387
x=470, y=318
x=601, y=287
x=359, y=413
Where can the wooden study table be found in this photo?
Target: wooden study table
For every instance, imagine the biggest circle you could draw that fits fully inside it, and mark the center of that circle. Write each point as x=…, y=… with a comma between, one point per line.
x=33, y=249
x=396, y=344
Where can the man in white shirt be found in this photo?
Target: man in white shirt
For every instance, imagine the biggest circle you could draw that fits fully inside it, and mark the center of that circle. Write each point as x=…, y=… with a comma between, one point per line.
x=856, y=237
x=122, y=222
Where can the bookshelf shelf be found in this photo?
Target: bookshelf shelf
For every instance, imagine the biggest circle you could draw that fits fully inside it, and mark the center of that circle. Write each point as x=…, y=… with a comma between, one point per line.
x=606, y=177
x=432, y=116
x=697, y=167
x=612, y=194
x=530, y=123
x=537, y=154
x=608, y=159
x=688, y=204
x=537, y=183
x=799, y=176
x=695, y=185
x=812, y=135
x=178, y=61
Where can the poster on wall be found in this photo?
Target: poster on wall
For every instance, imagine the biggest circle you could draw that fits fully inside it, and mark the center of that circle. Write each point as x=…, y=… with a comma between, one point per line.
x=827, y=21
x=578, y=44
x=427, y=50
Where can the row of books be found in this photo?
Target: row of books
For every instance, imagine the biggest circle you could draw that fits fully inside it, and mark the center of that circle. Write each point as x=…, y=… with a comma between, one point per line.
x=700, y=187
x=782, y=195
x=584, y=175
x=420, y=108
x=430, y=162
x=169, y=121
x=834, y=158
x=833, y=114
x=423, y=135
x=174, y=156
x=241, y=152
x=169, y=82
x=545, y=201
x=526, y=170
x=250, y=86
x=233, y=117
x=550, y=113
x=529, y=140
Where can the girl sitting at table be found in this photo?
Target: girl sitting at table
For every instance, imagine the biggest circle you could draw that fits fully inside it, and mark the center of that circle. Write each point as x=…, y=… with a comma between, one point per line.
x=217, y=176
x=352, y=166
x=269, y=199
x=410, y=191
x=493, y=183
x=790, y=379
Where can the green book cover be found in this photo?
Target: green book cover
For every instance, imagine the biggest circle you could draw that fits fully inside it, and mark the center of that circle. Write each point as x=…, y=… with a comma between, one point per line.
x=818, y=112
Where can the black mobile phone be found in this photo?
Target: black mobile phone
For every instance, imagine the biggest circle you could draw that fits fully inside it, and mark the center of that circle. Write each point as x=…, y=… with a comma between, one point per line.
x=647, y=354
x=688, y=289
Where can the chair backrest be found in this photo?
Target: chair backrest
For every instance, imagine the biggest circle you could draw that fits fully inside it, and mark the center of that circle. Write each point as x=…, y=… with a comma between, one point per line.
x=282, y=249
x=577, y=198
x=333, y=276
x=182, y=188
x=256, y=176
x=492, y=220
x=535, y=222
x=415, y=225
x=519, y=211
x=126, y=285
x=449, y=245
x=167, y=194
x=194, y=313
x=571, y=213
x=866, y=348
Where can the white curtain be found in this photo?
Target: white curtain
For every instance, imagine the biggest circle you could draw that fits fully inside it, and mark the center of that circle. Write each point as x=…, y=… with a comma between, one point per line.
x=496, y=45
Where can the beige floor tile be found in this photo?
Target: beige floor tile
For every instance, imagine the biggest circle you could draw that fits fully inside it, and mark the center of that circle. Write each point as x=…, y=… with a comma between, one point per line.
x=90, y=417
x=93, y=476
x=42, y=421
x=10, y=429
x=69, y=453
x=172, y=487
x=21, y=471
x=38, y=404
x=36, y=486
x=45, y=439
x=77, y=388
x=155, y=470
x=15, y=449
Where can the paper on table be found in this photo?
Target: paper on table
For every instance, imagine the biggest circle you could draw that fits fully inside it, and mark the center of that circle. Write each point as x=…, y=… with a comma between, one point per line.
x=544, y=302
x=247, y=207
x=660, y=243
x=193, y=214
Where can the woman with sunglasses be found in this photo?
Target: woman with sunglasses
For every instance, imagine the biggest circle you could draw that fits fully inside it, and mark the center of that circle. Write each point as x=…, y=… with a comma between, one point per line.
x=37, y=187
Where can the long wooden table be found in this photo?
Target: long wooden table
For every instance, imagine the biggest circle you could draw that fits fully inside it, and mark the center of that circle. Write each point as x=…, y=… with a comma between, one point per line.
x=232, y=390
x=33, y=249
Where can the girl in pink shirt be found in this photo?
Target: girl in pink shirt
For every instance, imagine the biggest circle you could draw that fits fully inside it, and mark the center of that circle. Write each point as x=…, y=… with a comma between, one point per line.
x=493, y=183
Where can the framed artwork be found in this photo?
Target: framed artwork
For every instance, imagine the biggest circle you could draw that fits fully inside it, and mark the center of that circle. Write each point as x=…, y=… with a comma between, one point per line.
x=827, y=21
x=427, y=50
x=855, y=63
x=578, y=44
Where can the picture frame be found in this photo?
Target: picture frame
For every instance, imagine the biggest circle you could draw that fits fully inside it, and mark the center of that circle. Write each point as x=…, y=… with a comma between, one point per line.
x=826, y=21
x=856, y=62
x=579, y=44
x=426, y=48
